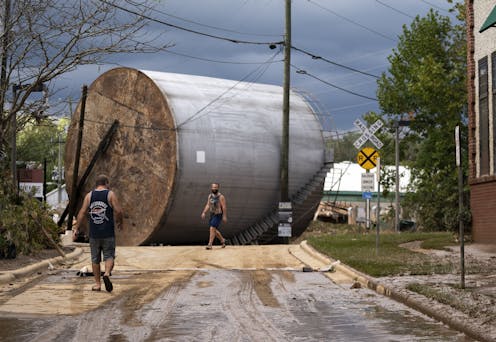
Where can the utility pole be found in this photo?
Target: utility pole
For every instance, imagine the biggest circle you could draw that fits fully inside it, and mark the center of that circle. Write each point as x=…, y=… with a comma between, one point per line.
x=285, y=207
x=285, y=108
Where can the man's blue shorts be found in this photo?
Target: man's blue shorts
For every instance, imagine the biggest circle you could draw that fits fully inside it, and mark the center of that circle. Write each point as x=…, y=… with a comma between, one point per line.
x=99, y=246
x=215, y=220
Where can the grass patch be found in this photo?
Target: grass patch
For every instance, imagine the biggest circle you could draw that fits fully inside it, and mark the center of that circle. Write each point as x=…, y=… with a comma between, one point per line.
x=464, y=300
x=432, y=293
x=359, y=251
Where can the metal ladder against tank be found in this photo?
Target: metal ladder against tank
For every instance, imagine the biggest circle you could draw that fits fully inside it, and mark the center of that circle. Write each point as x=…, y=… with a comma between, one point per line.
x=304, y=202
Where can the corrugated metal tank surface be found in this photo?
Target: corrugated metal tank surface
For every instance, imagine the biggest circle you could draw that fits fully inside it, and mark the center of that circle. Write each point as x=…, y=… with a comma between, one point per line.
x=179, y=133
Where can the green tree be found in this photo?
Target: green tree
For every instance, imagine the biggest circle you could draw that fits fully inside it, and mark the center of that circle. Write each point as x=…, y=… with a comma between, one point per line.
x=342, y=144
x=426, y=78
x=39, y=142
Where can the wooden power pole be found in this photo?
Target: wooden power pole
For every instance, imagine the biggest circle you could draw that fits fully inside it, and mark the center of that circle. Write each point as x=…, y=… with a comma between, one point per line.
x=285, y=108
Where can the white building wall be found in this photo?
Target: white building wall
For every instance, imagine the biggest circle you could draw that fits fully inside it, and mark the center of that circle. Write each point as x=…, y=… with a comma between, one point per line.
x=347, y=176
x=52, y=198
x=485, y=45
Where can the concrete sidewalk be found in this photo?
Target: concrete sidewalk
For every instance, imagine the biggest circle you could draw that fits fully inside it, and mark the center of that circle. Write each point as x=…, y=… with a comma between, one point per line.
x=12, y=275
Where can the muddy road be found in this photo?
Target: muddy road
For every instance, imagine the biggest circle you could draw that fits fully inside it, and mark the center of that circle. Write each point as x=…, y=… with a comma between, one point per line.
x=255, y=293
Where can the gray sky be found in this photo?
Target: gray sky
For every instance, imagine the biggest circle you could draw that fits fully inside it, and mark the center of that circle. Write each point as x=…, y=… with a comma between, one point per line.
x=356, y=33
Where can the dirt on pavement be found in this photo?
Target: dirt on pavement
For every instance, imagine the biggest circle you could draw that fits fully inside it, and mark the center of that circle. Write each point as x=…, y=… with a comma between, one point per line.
x=477, y=301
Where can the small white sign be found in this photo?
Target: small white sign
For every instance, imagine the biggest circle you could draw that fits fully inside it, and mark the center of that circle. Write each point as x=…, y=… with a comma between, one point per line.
x=368, y=182
x=200, y=157
x=35, y=188
x=284, y=205
x=284, y=230
x=457, y=145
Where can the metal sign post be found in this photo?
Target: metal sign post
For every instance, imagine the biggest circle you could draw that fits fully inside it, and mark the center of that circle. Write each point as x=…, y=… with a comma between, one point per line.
x=367, y=157
x=378, y=213
x=285, y=220
x=367, y=189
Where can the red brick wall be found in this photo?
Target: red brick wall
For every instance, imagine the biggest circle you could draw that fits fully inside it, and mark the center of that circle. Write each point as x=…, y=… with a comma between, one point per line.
x=483, y=204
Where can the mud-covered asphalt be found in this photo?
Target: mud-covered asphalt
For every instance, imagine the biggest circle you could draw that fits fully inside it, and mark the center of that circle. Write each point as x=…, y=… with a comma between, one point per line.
x=253, y=293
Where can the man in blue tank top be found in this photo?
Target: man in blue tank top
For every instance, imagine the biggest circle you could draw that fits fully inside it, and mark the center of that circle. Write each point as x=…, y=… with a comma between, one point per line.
x=216, y=205
x=104, y=214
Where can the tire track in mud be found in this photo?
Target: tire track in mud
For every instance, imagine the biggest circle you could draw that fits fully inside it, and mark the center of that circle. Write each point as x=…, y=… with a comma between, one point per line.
x=131, y=316
x=246, y=294
x=152, y=315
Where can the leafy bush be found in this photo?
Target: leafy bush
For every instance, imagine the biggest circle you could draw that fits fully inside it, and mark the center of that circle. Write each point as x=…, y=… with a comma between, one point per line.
x=22, y=219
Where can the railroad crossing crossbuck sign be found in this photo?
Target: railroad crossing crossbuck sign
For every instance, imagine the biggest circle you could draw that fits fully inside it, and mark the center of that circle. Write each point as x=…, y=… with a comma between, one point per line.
x=367, y=158
x=368, y=134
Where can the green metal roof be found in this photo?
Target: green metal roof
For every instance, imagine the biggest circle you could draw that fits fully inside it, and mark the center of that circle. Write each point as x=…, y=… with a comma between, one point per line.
x=490, y=21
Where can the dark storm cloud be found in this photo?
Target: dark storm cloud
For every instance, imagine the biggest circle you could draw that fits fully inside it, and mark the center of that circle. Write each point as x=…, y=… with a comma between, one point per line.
x=356, y=33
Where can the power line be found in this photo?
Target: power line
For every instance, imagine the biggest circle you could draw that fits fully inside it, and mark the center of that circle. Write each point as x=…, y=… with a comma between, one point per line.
x=435, y=6
x=394, y=9
x=197, y=114
x=200, y=24
x=351, y=21
x=340, y=109
x=232, y=40
x=216, y=61
x=333, y=63
x=303, y=72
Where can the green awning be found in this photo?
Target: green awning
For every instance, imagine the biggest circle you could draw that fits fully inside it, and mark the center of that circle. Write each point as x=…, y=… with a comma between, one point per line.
x=490, y=21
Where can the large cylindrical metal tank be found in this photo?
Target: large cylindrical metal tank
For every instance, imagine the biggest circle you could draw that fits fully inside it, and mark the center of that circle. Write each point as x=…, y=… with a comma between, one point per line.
x=179, y=133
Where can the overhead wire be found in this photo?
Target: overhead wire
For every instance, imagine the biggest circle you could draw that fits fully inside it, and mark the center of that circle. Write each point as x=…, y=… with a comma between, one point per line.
x=314, y=56
x=333, y=63
x=162, y=22
x=304, y=72
x=435, y=6
x=235, y=40
x=154, y=9
x=394, y=9
x=196, y=115
x=351, y=21
x=216, y=61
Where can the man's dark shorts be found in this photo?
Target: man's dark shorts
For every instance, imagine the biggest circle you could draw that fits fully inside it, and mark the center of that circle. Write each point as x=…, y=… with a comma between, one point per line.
x=215, y=220
x=99, y=246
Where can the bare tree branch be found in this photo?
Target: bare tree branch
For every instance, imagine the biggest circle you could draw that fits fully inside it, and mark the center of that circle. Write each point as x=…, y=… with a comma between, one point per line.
x=48, y=38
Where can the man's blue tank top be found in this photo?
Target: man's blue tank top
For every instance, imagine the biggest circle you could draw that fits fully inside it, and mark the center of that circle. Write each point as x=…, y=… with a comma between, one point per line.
x=101, y=215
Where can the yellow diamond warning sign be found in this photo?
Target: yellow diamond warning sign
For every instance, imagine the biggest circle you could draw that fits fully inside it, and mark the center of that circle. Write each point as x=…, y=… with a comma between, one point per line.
x=367, y=158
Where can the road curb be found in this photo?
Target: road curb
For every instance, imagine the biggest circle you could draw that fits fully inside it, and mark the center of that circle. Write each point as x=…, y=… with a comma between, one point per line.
x=10, y=276
x=406, y=297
